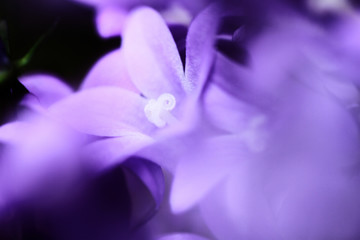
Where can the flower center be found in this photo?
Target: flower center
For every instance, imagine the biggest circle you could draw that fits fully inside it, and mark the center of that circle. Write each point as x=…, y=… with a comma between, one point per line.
x=158, y=110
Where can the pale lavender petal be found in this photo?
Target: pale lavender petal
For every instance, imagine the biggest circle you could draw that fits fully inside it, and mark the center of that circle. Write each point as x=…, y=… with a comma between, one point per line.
x=217, y=218
x=103, y=111
x=10, y=132
x=242, y=210
x=151, y=55
x=110, y=70
x=312, y=198
x=105, y=153
x=225, y=111
x=246, y=194
x=172, y=142
x=47, y=89
x=201, y=169
x=182, y=236
x=200, y=50
x=110, y=21
x=176, y=14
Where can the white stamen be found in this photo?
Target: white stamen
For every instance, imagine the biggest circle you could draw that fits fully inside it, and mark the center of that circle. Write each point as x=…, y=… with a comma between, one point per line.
x=158, y=111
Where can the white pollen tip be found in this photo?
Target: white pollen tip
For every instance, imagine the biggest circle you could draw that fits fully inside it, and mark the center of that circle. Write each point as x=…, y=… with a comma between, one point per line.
x=158, y=111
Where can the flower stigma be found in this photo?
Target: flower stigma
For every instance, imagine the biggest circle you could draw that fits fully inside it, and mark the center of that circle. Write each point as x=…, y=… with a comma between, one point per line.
x=158, y=110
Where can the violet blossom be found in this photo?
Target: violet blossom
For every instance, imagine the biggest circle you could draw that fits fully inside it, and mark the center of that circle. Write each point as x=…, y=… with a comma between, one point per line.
x=48, y=95
x=42, y=160
x=294, y=130
x=131, y=120
x=42, y=168
x=253, y=134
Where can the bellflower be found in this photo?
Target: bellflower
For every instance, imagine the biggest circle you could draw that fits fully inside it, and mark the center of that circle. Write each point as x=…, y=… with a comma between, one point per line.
x=291, y=143
x=160, y=96
x=41, y=164
x=42, y=156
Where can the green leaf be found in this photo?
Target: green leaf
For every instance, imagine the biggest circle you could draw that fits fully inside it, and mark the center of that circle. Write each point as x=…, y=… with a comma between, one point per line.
x=3, y=76
x=27, y=58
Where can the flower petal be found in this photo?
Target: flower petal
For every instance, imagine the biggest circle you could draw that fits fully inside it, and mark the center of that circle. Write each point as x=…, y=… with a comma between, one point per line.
x=34, y=150
x=200, y=51
x=107, y=152
x=182, y=236
x=110, y=21
x=225, y=111
x=152, y=177
x=203, y=169
x=110, y=70
x=47, y=89
x=151, y=55
x=10, y=132
x=103, y=111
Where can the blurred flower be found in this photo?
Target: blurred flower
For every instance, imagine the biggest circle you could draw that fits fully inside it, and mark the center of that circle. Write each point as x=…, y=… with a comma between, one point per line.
x=42, y=168
x=251, y=119
x=36, y=152
x=112, y=14
x=291, y=151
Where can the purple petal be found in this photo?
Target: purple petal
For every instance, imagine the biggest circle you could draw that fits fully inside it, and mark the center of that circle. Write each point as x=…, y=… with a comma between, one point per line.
x=110, y=70
x=171, y=144
x=201, y=170
x=103, y=111
x=195, y=6
x=219, y=107
x=151, y=55
x=200, y=51
x=312, y=197
x=47, y=89
x=152, y=177
x=110, y=21
x=107, y=152
x=35, y=150
x=10, y=132
x=176, y=14
x=182, y=236
x=217, y=218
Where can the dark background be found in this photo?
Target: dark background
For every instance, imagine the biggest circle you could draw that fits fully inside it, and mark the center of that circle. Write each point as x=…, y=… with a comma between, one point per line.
x=71, y=45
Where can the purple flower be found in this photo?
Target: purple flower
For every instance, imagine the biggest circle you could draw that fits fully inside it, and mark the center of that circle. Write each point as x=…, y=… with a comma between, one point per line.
x=34, y=146
x=289, y=158
x=42, y=168
x=108, y=106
